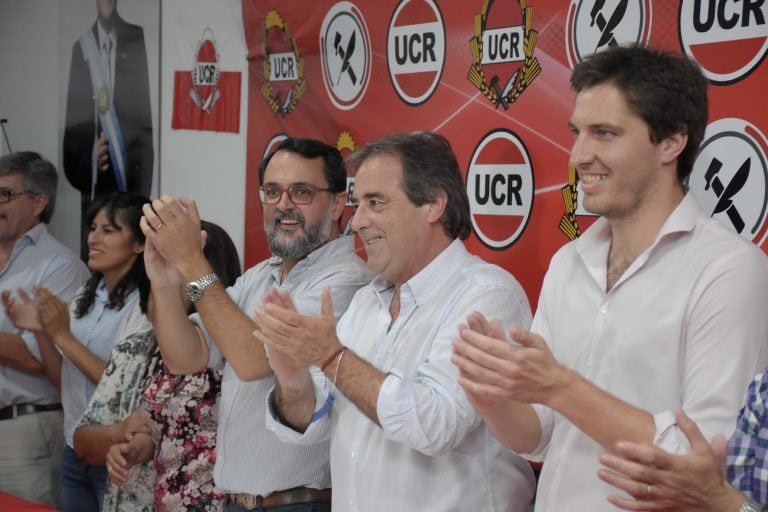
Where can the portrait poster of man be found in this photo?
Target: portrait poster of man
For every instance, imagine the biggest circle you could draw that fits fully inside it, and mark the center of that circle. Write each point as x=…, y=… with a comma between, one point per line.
x=108, y=142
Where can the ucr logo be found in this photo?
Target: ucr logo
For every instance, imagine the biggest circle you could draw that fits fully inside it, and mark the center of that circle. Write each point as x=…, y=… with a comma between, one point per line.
x=416, y=50
x=502, y=49
x=730, y=177
x=596, y=25
x=728, y=38
x=500, y=189
x=205, y=73
x=284, y=82
x=345, y=51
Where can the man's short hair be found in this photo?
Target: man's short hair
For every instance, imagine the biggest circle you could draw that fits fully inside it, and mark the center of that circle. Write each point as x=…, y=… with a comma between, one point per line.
x=39, y=174
x=667, y=91
x=335, y=172
x=429, y=165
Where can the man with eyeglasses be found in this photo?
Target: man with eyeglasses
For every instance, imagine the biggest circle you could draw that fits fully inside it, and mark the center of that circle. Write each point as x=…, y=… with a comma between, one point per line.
x=31, y=436
x=303, y=194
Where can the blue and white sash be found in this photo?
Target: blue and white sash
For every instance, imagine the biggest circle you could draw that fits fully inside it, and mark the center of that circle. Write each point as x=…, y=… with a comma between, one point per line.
x=104, y=108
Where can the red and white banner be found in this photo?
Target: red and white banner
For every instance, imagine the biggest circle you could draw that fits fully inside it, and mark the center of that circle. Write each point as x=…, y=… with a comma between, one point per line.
x=493, y=77
x=205, y=95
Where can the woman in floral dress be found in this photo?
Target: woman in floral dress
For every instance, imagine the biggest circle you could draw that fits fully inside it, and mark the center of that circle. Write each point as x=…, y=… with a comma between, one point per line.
x=182, y=416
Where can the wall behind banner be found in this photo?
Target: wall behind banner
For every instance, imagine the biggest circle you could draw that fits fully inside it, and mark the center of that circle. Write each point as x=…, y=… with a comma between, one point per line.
x=494, y=80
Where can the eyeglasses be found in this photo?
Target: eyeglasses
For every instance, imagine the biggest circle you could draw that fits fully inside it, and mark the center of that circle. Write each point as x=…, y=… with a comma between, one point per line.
x=7, y=195
x=301, y=193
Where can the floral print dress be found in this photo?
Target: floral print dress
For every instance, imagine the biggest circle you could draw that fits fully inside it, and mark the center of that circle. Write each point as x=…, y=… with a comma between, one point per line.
x=117, y=395
x=184, y=409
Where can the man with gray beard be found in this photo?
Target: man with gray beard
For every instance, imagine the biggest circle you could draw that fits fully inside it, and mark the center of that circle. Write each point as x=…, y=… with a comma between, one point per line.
x=303, y=193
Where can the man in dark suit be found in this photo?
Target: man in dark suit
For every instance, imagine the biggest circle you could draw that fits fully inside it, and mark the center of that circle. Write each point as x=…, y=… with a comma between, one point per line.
x=108, y=129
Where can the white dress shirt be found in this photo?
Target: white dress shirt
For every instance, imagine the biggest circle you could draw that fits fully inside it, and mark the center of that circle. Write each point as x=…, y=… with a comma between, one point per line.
x=37, y=259
x=432, y=452
x=97, y=331
x=684, y=327
x=249, y=458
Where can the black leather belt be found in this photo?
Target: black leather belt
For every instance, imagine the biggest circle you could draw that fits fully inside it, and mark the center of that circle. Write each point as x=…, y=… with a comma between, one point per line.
x=280, y=498
x=16, y=410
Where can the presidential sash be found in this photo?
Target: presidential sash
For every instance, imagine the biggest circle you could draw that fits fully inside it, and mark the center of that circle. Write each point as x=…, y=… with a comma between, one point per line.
x=104, y=108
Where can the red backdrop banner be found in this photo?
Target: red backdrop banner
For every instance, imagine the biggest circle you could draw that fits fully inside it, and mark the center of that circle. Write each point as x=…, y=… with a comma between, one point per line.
x=492, y=77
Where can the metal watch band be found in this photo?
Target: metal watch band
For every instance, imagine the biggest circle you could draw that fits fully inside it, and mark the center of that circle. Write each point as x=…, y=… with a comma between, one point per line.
x=207, y=280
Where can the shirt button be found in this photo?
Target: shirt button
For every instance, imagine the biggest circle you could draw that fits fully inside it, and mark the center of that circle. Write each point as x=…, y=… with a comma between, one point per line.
x=603, y=310
x=353, y=455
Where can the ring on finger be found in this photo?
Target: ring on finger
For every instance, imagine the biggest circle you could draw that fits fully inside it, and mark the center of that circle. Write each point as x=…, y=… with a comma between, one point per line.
x=159, y=226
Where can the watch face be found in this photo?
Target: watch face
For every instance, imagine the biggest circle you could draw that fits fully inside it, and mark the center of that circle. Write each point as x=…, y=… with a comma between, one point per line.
x=194, y=291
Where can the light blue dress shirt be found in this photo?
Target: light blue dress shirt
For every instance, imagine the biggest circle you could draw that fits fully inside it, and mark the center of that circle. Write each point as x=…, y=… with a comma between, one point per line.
x=37, y=259
x=97, y=331
x=250, y=458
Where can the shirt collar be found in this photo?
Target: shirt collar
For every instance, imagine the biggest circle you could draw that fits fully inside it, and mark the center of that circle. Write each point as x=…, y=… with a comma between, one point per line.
x=682, y=220
x=432, y=277
x=102, y=35
x=327, y=251
x=36, y=233
x=594, y=244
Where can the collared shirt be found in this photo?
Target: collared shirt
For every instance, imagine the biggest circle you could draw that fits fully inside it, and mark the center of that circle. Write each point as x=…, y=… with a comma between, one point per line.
x=251, y=459
x=117, y=395
x=37, y=259
x=747, y=456
x=432, y=452
x=97, y=331
x=684, y=327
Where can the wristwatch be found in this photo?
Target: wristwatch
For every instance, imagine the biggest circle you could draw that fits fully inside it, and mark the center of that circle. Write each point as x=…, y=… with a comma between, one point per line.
x=751, y=506
x=196, y=288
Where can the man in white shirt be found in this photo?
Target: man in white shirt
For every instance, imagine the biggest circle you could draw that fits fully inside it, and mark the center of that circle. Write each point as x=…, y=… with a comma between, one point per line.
x=303, y=194
x=31, y=436
x=403, y=434
x=655, y=308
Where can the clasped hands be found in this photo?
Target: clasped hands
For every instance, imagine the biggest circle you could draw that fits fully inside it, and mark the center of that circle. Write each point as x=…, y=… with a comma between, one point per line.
x=137, y=447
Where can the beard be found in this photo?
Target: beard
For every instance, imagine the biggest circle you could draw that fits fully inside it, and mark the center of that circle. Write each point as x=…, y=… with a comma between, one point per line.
x=314, y=235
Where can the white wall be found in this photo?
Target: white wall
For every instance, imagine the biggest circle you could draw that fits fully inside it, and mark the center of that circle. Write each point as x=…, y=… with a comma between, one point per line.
x=205, y=166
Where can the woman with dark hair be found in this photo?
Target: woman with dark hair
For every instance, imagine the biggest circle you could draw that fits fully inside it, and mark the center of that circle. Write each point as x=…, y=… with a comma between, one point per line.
x=75, y=342
x=113, y=418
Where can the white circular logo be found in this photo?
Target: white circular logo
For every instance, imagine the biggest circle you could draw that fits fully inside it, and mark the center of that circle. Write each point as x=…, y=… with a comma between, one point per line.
x=592, y=27
x=728, y=38
x=416, y=50
x=500, y=188
x=345, y=51
x=730, y=175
